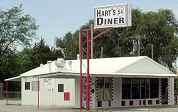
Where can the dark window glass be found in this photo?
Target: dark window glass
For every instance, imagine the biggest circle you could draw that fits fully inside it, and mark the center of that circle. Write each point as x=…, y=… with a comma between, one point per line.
x=157, y=101
x=140, y=88
x=144, y=102
x=104, y=89
x=100, y=83
x=99, y=103
x=131, y=102
x=109, y=103
x=149, y=102
x=123, y=103
x=140, y=102
x=108, y=82
x=135, y=89
x=60, y=87
x=154, y=88
x=143, y=89
x=126, y=89
x=147, y=86
x=27, y=85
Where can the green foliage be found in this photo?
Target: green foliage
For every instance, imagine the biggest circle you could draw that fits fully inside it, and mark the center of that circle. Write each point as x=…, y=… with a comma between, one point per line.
x=148, y=28
x=70, y=44
x=41, y=53
x=16, y=29
x=155, y=29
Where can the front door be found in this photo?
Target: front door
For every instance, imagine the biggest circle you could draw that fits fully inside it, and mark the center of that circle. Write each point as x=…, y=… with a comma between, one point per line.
x=64, y=92
x=47, y=92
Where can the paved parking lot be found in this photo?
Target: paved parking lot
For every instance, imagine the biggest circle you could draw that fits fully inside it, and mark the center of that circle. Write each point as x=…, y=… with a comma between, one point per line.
x=19, y=108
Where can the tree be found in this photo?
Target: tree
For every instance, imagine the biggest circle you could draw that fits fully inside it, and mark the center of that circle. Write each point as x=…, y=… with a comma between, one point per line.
x=41, y=53
x=70, y=44
x=16, y=28
x=149, y=30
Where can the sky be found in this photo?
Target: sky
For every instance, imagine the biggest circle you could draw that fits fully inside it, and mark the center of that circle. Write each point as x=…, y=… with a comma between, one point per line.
x=57, y=17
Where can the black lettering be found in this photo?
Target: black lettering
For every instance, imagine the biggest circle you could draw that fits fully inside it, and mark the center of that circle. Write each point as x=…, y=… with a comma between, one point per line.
x=114, y=12
x=110, y=21
x=98, y=13
x=106, y=13
x=121, y=20
x=99, y=21
x=109, y=12
x=103, y=12
x=115, y=20
x=105, y=21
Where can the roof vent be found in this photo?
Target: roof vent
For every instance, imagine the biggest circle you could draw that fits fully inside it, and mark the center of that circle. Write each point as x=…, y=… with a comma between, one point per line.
x=49, y=61
x=60, y=62
x=78, y=56
x=41, y=65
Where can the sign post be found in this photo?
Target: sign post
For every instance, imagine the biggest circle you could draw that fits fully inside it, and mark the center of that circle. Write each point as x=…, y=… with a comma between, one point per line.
x=105, y=17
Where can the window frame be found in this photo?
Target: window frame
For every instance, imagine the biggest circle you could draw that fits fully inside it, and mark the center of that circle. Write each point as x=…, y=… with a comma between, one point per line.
x=60, y=87
x=27, y=85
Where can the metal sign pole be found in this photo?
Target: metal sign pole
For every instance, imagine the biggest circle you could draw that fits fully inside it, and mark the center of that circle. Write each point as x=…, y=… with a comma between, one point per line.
x=88, y=69
x=81, y=79
x=91, y=40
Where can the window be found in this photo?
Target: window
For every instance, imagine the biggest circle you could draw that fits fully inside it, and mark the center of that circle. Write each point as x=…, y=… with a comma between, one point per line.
x=34, y=85
x=154, y=88
x=99, y=103
x=100, y=83
x=126, y=89
x=140, y=88
x=149, y=102
x=135, y=89
x=123, y=103
x=27, y=85
x=60, y=87
x=104, y=89
x=131, y=103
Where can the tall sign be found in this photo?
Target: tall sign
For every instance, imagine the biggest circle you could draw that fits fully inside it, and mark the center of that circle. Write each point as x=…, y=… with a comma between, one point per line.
x=105, y=17
x=112, y=16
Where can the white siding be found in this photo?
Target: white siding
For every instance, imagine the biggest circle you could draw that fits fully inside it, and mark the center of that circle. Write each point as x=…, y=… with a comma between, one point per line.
x=29, y=97
x=49, y=95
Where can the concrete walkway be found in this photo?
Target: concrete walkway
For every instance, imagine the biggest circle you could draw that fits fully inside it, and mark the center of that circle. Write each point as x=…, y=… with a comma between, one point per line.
x=19, y=108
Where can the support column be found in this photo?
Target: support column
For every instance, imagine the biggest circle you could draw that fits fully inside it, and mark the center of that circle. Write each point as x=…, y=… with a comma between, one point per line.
x=93, y=93
x=171, y=91
x=117, y=92
x=160, y=87
x=6, y=84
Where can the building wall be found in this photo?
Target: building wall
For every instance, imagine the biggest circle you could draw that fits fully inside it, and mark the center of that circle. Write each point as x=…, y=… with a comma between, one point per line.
x=171, y=99
x=29, y=97
x=77, y=92
x=49, y=95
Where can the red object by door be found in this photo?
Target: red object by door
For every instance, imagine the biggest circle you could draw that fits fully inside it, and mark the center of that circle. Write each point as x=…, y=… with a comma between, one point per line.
x=66, y=96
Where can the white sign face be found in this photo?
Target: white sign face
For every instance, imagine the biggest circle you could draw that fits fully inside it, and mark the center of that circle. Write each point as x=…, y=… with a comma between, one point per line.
x=113, y=16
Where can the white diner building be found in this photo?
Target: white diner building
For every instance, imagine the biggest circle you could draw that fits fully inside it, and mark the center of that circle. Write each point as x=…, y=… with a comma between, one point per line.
x=116, y=82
